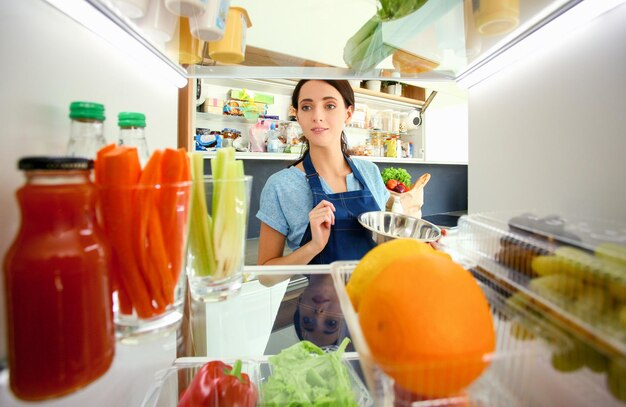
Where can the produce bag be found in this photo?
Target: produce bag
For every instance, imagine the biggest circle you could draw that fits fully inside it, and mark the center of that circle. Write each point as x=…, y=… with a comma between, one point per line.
x=411, y=200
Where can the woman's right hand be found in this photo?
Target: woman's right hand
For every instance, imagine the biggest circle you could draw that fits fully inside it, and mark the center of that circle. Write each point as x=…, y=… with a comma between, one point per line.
x=321, y=218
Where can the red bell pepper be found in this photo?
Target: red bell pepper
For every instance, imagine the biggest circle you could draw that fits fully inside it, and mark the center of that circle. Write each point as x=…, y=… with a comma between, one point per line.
x=217, y=384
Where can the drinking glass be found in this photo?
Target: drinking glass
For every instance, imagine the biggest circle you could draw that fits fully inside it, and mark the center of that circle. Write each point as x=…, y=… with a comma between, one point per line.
x=217, y=237
x=146, y=226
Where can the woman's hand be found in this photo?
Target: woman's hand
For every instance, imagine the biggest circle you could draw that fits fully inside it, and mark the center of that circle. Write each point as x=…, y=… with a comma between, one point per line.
x=321, y=218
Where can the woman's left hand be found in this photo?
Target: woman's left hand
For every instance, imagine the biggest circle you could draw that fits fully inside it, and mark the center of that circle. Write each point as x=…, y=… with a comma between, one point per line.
x=321, y=218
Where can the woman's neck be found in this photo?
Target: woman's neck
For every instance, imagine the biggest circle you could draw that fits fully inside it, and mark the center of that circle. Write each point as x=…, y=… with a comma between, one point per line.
x=329, y=162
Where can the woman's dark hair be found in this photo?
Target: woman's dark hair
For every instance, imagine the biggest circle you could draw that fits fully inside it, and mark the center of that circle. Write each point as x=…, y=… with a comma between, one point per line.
x=345, y=90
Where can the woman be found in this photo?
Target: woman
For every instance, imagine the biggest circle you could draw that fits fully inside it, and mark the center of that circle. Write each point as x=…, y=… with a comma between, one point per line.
x=325, y=183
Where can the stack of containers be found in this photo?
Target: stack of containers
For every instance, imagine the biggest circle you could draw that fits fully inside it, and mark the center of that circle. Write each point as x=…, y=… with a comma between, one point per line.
x=565, y=279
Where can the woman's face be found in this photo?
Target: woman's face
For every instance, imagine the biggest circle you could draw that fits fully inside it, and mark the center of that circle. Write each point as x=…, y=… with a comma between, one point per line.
x=321, y=318
x=322, y=113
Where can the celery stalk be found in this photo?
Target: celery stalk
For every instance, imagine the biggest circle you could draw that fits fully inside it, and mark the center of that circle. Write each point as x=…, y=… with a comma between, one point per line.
x=200, y=228
x=230, y=218
x=216, y=239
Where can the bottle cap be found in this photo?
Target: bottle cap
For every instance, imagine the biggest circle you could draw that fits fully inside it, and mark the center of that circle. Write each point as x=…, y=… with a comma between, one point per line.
x=54, y=163
x=131, y=119
x=87, y=110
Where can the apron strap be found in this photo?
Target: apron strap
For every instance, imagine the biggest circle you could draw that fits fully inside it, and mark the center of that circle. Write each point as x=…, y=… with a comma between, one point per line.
x=312, y=176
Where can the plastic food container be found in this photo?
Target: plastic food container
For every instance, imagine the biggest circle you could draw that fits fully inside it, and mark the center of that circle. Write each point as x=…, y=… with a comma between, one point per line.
x=503, y=383
x=231, y=49
x=209, y=26
x=172, y=382
x=569, y=274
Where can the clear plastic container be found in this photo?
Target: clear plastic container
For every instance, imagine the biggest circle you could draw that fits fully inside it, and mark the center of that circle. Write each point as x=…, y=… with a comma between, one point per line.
x=570, y=274
x=521, y=371
x=501, y=384
x=172, y=382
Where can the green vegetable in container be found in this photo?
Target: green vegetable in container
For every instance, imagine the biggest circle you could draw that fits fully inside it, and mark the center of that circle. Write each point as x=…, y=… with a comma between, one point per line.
x=305, y=375
x=216, y=239
x=366, y=49
x=399, y=174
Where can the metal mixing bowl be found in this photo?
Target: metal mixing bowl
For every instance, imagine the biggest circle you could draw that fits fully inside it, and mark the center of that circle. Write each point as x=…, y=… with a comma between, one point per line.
x=388, y=225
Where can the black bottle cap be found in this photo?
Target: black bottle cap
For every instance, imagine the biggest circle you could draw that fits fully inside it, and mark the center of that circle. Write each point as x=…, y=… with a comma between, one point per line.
x=54, y=163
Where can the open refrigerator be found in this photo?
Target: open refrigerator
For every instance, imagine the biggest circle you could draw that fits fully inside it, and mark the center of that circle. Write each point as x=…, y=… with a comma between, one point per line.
x=532, y=328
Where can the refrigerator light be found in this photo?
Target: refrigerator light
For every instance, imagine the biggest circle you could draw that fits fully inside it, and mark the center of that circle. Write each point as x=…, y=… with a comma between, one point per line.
x=550, y=33
x=100, y=19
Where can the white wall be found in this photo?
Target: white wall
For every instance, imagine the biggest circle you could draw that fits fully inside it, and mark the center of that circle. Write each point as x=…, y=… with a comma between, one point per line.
x=549, y=133
x=445, y=128
x=47, y=62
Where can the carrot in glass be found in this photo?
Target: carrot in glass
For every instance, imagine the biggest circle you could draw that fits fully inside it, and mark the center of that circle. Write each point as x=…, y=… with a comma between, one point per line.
x=143, y=206
x=120, y=169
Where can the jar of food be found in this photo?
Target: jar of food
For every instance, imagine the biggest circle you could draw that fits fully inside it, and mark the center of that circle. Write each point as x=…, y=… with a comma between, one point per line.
x=376, y=142
x=60, y=328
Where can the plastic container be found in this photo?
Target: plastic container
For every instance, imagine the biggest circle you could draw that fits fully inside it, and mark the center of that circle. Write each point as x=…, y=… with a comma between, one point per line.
x=172, y=382
x=567, y=271
x=209, y=26
x=503, y=383
x=132, y=8
x=496, y=17
x=231, y=49
x=158, y=23
x=189, y=47
x=186, y=8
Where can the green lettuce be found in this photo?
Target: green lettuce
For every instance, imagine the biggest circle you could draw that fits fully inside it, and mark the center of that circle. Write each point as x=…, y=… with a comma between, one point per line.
x=305, y=375
x=399, y=174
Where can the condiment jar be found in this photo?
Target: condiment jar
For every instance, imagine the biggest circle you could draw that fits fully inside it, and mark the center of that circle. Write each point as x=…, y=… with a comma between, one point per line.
x=59, y=314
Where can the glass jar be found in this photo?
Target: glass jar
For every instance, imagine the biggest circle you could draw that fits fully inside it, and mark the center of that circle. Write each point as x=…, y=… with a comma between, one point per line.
x=60, y=327
x=86, y=129
x=376, y=143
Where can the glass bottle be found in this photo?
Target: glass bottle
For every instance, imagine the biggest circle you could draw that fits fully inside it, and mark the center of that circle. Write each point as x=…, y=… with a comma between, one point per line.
x=86, y=129
x=59, y=313
x=132, y=133
x=397, y=205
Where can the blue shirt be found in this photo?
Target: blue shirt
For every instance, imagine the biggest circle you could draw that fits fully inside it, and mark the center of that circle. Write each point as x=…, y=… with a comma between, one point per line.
x=286, y=199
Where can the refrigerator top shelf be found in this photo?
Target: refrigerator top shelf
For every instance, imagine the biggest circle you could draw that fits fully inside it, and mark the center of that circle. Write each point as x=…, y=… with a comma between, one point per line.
x=437, y=42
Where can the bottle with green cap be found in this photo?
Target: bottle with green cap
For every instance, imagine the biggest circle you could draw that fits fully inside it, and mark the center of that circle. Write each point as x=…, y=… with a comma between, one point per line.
x=132, y=133
x=86, y=129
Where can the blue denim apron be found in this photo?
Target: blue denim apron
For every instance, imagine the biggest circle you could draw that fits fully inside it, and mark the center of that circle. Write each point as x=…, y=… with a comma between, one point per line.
x=348, y=239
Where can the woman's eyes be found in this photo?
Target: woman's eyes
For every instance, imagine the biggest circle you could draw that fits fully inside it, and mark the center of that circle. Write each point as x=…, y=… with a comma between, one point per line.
x=329, y=106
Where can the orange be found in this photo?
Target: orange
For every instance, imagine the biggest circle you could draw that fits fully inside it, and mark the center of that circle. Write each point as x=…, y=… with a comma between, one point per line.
x=427, y=324
x=377, y=259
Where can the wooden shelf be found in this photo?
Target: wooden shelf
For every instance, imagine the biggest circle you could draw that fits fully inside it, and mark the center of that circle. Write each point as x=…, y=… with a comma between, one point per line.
x=388, y=97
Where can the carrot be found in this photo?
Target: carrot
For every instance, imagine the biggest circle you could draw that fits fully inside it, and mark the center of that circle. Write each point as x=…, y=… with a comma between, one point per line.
x=98, y=164
x=120, y=169
x=144, y=206
x=173, y=204
x=126, y=306
x=158, y=257
x=113, y=267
